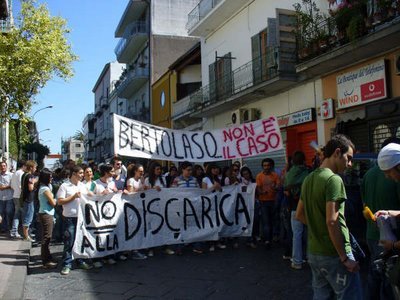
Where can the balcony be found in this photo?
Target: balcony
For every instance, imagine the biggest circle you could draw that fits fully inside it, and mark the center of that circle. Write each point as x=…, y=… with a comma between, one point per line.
x=208, y=15
x=104, y=102
x=338, y=48
x=141, y=116
x=98, y=110
x=5, y=26
x=261, y=77
x=135, y=35
x=134, y=79
x=182, y=109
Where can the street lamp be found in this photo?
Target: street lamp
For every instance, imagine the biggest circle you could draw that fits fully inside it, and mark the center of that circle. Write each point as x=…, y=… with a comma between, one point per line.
x=44, y=142
x=33, y=116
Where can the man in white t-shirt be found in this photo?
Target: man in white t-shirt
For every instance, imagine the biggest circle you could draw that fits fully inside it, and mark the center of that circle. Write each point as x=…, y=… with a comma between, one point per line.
x=68, y=196
x=16, y=186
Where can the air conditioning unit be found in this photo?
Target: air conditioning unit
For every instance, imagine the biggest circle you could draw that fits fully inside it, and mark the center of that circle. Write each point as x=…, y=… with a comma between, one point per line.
x=397, y=63
x=244, y=115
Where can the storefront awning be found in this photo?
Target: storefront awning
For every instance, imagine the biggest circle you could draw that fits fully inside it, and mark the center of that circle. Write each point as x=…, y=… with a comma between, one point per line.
x=351, y=115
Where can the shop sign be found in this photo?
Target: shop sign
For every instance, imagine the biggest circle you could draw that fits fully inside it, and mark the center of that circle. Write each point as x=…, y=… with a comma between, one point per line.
x=363, y=85
x=296, y=118
x=326, y=110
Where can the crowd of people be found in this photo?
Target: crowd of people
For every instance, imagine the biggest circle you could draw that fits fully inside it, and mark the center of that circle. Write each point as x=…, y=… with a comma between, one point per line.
x=289, y=206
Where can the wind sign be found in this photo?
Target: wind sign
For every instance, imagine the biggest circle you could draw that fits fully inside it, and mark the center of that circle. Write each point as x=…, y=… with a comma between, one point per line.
x=137, y=139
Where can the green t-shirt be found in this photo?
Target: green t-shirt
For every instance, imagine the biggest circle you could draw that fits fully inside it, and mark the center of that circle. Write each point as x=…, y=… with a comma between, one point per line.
x=318, y=188
x=378, y=193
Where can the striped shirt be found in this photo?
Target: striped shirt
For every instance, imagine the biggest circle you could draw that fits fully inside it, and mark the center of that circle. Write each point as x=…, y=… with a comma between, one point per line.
x=182, y=182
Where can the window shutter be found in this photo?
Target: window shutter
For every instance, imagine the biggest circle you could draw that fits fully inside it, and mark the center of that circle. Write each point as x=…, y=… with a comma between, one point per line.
x=256, y=54
x=212, y=83
x=227, y=75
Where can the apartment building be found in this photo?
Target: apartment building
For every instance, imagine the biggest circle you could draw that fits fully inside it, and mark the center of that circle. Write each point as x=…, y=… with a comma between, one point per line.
x=152, y=35
x=72, y=149
x=106, y=102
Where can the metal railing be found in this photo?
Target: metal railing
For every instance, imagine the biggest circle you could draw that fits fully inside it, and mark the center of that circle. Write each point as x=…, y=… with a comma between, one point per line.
x=130, y=75
x=5, y=26
x=329, y=34
x=200, y=11
x=254, y=72
x=137, y=27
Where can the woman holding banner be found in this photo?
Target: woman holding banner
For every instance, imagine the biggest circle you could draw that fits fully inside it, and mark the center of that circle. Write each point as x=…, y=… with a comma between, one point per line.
x=155, y=180
x=135, y=183
x=212, y=183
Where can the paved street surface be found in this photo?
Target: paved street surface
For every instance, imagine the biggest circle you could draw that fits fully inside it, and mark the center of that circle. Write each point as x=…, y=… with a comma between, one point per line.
x=242, y=273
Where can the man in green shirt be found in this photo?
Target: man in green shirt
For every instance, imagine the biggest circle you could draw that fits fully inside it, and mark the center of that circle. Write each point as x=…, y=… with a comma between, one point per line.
x=321, y=207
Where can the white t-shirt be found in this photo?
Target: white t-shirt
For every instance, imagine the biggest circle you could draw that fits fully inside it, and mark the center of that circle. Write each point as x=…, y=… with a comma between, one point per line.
x=102, y=186
x=66, y=190
x=136, y=184
x=208, y=182
x=157, y=183
x=16, y=183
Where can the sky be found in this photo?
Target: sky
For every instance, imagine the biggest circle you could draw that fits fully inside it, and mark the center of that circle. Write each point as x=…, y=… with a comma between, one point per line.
x=92, y=24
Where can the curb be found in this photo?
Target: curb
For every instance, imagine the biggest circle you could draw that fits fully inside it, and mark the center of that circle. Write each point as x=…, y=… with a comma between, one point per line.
x=16, y=282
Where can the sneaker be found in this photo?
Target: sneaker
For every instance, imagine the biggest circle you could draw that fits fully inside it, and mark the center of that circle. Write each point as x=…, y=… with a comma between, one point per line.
x=197, y=251
x=50, y=265
x=110, y=261
x=150, y=253
x=98, y=264
x=138, y=255
x=29, y=239
x=286, y=257
x=221, y=246
x=169, y=251
x=212, y=248
x=235, y=245
x=65, y=271
x=85, y=266
x=253, y=245
x=296, y=266
x=15, y=235
x=122, y=257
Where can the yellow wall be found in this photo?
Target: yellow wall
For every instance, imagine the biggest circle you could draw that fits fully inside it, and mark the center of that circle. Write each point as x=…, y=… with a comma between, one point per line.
x=329, y=88
x=161, y=116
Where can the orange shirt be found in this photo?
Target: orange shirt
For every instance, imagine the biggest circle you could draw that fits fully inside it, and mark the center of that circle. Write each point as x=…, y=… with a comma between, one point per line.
x=267, y=184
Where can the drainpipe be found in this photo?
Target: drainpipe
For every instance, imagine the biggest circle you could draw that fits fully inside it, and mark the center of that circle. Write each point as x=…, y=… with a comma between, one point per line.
x=150, y=58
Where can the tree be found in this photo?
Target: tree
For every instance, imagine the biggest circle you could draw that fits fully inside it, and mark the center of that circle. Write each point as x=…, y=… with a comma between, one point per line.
x=79, y=135
x=31, y=53
x=40, y=150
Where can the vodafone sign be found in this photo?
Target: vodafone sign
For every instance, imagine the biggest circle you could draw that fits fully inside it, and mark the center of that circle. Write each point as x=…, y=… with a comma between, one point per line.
x=362, y=85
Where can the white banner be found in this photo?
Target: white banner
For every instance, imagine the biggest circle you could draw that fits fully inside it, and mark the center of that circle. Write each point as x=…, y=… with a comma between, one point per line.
x=136, y=139
x=117, y=222
x=363, y=85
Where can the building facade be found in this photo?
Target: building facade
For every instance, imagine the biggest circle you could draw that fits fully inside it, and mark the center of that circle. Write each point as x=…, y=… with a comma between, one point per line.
x=72, y=149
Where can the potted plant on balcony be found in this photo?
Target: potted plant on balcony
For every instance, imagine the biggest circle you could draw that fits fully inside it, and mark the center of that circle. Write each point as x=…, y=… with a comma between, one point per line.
x=356, y=27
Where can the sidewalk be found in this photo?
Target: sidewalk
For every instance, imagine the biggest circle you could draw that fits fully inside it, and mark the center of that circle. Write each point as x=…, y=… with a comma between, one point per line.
x=14, y=259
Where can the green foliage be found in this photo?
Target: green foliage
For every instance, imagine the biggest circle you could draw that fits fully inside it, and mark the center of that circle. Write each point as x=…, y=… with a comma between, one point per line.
x=32, y=53
x=79, y=135
x=24, y=137
x=39, y=149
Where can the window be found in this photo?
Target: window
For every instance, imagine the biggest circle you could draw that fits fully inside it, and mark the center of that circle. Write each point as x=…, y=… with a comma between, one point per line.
x=381, y=133
x=78, y=145
x=78, y=155
x=162, y=99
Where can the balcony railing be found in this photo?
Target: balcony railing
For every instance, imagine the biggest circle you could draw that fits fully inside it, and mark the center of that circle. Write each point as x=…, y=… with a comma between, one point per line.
x=134, y=79
x=200, y=11
x=255, y=72
x=5, y=26
x=135, y=28
x=329, y=34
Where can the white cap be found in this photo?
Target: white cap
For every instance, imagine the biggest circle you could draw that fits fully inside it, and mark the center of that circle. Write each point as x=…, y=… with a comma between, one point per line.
x=389, y=156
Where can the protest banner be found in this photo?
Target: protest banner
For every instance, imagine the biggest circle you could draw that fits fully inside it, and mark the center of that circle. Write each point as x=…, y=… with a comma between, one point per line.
x=136, y=139
x=118, y=222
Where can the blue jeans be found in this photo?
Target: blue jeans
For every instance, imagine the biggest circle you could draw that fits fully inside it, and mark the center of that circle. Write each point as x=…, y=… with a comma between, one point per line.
x=27, y=213
x=18, y=211
x=331, y=280
x=298, y=230
x=69, y=239
x=7, y=211
x=267, y=217
x=378, y=286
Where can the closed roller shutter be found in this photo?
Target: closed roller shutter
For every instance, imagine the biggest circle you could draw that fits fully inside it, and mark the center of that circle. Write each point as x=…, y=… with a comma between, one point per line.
x=254, y=163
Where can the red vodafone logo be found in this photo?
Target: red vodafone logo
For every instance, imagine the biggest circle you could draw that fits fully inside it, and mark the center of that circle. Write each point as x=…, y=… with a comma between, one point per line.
x=373, y=90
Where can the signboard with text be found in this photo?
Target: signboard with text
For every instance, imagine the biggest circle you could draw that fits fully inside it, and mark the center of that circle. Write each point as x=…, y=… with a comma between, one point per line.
x=362, y=85
x=296, y=118
x=136, y=139
x=112, y=223
x=326, y=109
